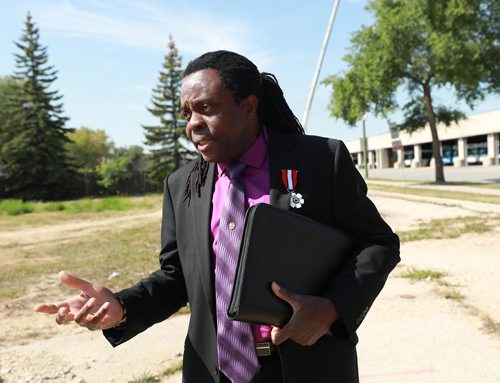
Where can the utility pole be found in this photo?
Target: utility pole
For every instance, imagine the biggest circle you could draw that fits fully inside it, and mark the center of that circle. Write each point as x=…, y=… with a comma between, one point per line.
x=365, y=148
x=314, y=84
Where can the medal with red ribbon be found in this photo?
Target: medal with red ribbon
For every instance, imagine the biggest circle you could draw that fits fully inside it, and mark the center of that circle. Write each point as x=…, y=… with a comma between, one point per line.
x=289, y=177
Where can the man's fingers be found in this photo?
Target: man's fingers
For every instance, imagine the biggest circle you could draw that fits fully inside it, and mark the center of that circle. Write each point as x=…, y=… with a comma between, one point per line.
x=287, y=296
x=84, y=311
x=50, y=308
x=279, y=335
x=98, y=316
x=63, y=315
x=75, y=282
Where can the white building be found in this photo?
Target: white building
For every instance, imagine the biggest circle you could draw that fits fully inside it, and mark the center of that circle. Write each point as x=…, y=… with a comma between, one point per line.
x=473, y=141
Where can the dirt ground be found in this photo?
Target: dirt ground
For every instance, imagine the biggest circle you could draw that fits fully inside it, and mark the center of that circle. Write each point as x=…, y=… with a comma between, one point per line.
x=412, y=334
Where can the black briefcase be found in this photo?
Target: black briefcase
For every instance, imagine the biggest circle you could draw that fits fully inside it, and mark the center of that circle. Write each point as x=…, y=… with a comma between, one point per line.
x=298, y=253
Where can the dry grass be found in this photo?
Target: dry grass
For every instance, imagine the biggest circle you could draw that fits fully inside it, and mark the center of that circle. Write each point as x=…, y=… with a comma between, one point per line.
x=116, y=257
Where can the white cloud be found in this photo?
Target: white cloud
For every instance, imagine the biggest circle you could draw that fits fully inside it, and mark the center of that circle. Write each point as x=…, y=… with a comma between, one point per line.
x=140, y=24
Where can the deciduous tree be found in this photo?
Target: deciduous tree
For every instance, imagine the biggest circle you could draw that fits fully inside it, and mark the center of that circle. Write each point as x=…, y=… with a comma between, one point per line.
x=88, y=148
x=119, y=168
x=420, y=46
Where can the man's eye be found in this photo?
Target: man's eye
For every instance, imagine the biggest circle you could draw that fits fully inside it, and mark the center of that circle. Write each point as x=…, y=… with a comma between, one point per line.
x=206, y=107
x=186, y=115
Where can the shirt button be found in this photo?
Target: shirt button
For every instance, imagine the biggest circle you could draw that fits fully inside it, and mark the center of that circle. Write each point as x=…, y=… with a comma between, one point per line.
x=231, y=225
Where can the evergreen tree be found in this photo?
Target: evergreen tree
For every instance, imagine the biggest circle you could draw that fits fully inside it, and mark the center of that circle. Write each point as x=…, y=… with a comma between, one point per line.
x=8, y=87
x=34, y=158
x=168, y=147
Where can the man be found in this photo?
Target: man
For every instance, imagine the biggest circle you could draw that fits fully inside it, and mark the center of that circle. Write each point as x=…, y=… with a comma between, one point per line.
x=235, y=115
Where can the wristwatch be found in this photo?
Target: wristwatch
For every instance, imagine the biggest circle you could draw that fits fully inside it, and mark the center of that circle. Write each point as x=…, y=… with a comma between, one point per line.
x=124, y=316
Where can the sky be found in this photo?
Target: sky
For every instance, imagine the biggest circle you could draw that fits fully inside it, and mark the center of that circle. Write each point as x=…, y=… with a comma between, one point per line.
x=108, y=53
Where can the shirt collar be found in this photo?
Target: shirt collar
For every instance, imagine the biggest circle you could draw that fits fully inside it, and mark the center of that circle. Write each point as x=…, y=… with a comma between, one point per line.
x=255, y=156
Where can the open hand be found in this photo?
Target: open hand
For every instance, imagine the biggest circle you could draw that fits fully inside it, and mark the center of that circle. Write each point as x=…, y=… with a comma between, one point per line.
x=96, y=308
x=311, y=319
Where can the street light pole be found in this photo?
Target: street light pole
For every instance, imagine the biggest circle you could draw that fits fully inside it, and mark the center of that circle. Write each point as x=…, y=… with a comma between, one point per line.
x=365, y=148
x=305, y=118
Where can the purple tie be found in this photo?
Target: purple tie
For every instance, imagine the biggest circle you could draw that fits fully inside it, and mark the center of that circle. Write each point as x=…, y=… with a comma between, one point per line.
x=235, y=344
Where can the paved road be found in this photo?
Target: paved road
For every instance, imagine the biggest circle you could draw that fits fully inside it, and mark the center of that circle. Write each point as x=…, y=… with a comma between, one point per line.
x=452, y=174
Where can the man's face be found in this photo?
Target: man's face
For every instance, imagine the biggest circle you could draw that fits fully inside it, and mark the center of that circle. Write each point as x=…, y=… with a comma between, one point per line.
x=220, y=129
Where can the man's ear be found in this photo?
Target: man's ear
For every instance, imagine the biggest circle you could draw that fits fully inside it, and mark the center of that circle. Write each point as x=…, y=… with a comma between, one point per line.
x=250, y=104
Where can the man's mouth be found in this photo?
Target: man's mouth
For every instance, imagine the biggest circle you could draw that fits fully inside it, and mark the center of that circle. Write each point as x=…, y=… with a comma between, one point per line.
x=202, y=145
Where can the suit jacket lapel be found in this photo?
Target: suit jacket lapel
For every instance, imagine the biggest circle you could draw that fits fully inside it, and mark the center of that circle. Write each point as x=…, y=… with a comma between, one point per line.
x=201, y=211
x=282, y=155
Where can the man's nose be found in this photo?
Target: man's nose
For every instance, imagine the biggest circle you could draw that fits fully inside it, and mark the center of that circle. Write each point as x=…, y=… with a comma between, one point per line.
x=195, y=122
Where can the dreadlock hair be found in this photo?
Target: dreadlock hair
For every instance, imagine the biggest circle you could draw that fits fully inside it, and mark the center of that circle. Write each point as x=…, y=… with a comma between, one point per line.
x=242, y=78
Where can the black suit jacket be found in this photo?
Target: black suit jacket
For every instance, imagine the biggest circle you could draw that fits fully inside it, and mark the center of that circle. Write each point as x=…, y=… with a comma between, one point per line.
x=335, y=194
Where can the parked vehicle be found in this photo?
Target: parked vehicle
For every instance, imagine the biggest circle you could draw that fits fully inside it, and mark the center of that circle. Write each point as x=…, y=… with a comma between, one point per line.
x=408, y=158
x=476, y=154
x=449, y=155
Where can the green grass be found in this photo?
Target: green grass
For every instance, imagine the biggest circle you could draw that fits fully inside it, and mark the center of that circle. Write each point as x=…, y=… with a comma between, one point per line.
x=98, y=205
x=55, y=206
x=463, y=196
x=450, y=227
x=415, y=274
x=59, y=212
x=85, y=205
x=15, y=207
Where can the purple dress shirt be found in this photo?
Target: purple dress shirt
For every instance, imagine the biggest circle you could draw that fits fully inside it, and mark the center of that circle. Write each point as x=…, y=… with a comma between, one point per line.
x=256, y=180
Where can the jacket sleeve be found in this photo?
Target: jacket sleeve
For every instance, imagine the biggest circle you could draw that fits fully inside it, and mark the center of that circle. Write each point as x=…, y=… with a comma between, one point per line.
x=375, y=250
x=161, y=294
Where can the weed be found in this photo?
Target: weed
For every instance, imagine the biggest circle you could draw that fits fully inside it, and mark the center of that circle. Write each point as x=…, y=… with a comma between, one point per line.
x=490, y=326
x=452, y=294
x=173, y=369
x=422, y=274
x=145, y=378
x=449, y=291
x=479, y=227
